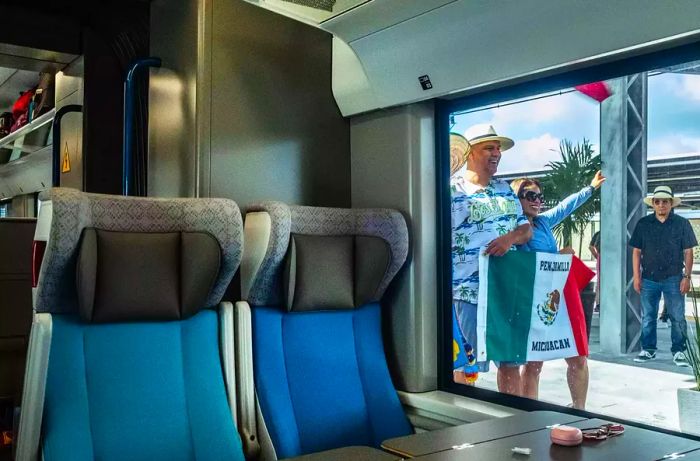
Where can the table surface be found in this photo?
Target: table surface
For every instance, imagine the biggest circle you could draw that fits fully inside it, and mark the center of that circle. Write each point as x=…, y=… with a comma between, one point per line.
x=687, y=456
x=348, y=454
x=425, y=443
x=634, y=444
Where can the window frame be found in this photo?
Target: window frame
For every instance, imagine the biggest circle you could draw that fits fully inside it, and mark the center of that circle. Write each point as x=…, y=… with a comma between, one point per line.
x=498, y=93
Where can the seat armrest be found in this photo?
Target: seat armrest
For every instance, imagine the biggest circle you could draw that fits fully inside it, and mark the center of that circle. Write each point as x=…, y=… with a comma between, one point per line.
x=36, y=370
x=227, y=347
x=245, y=386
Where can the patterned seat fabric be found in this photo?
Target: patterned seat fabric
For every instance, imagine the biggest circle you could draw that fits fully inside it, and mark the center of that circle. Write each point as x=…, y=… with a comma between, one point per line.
x=320, y=372
x=126, y=303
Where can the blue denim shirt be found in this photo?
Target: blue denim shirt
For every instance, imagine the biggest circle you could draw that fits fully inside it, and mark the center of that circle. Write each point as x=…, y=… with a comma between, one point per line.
x=542, y=237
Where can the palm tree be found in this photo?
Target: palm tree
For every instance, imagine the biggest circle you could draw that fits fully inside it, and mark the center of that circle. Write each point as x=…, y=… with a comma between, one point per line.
x=574, y=171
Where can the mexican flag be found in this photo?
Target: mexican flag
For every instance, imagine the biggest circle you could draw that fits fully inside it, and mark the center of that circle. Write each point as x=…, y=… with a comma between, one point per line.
x=530, y=307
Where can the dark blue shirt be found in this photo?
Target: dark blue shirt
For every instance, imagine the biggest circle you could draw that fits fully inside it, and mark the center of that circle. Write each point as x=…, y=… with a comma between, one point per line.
x=662, y=245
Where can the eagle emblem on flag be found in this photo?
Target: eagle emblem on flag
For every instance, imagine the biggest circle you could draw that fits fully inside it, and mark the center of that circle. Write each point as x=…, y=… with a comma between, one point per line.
x=548, y=310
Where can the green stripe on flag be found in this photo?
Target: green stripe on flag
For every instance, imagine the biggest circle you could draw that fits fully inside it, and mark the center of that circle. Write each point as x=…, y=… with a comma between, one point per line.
x=510, y=278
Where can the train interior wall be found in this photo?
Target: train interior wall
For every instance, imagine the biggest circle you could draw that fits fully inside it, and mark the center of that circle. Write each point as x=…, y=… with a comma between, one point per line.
x=252, y=101
x=249, y=93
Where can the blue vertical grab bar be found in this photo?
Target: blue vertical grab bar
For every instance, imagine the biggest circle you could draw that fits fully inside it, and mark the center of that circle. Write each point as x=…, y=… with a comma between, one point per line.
x=56, y=141
x=129, y=93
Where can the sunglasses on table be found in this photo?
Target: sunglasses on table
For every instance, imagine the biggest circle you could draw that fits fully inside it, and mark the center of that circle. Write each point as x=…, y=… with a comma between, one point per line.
x=531, y=196
x=603, y=432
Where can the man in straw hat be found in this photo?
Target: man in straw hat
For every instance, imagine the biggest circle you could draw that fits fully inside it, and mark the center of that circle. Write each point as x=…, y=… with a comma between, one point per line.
x=662, y=261
x=459, y=147
x=485, y=213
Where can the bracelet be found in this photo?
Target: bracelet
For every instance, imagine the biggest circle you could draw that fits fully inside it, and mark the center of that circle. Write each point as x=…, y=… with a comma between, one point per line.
x=686, y=277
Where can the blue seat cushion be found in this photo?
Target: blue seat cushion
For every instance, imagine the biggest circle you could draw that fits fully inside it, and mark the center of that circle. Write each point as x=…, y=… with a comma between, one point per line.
x=137, y=391
x=322, y=380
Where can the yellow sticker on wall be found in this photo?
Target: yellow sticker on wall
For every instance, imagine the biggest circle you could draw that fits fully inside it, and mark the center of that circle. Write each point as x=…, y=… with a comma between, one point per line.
x=65, y=167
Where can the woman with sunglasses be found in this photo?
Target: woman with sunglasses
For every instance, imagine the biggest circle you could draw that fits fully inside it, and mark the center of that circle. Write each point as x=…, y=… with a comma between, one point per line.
x=529, y=191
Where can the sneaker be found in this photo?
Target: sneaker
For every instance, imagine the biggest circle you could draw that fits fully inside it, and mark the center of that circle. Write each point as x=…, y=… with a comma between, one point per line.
x=645, y=356
x=660, y=325
x=680, y=359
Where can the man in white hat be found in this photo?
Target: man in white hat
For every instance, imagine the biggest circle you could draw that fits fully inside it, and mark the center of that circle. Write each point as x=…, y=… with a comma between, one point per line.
x=662, y=261
x=485, y=213
x=459, y=147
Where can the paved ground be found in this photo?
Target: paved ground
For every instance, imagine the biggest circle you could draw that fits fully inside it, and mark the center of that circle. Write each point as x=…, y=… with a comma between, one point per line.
x=618, y=386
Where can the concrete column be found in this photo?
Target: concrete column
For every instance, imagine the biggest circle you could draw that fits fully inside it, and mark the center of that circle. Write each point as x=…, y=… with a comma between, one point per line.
x=623, y=147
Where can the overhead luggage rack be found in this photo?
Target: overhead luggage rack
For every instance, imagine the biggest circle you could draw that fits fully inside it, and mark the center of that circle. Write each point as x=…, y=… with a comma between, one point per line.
x=9, y=141
x=25, y=158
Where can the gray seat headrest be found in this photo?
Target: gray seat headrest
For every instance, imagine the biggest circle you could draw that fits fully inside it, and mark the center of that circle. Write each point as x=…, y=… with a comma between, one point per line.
x=321, y=258
x=167, y=239
x=128, y=276
x=333, y=272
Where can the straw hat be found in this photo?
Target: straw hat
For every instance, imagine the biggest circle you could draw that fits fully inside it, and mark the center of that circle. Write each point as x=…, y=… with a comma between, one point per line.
x=483, y=132
x=459, y=148
x=663, y=192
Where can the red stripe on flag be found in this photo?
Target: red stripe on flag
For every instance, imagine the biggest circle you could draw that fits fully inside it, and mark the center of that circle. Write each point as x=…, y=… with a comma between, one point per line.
x=579, y=276
x=597, y=90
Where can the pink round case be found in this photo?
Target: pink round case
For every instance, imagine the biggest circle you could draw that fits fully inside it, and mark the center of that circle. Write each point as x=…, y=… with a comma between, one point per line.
x=566, y=435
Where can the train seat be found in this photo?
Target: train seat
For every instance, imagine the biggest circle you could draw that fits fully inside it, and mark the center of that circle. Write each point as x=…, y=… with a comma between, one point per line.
x=15, y=311
x=314, y=278
x=126, y=349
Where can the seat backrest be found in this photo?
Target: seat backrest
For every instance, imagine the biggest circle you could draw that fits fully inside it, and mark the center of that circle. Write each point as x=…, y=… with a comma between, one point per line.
x=314, y=278
x=15, y=305
x=126, y=313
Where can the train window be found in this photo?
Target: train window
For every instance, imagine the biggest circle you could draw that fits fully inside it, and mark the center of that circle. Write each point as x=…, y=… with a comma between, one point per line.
x=529, y=323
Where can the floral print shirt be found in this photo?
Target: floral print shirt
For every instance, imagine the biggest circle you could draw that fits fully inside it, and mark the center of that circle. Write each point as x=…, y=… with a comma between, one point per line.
x=479, y=215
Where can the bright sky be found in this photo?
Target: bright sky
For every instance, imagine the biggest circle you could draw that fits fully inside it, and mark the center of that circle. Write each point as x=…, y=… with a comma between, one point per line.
x=674, y=113
x=537, y=126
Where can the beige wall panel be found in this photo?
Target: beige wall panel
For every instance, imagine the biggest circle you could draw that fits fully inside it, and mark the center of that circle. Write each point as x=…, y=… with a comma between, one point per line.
x=72, y=139
x=70, y=80
x=69, y=90
x=276, y=132
x=172, y=95
x=393, y=166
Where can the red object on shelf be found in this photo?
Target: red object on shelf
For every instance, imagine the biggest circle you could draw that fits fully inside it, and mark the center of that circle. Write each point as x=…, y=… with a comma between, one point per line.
x=597, y=90
x=6, y=121
x=21, y=105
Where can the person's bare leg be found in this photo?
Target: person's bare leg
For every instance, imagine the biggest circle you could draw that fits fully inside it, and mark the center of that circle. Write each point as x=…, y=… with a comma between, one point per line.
x=577, y=377
x=508, y=379
x=531, y=379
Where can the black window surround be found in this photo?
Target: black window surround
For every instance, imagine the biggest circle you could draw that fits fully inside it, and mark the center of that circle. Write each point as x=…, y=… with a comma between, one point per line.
x=675, y=54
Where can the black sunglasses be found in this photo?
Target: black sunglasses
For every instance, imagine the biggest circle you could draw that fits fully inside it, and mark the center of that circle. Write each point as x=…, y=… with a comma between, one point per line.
x=531, y=196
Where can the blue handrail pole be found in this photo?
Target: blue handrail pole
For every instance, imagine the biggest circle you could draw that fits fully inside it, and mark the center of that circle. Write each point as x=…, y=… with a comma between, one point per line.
x=129, y=94
x=56, y=141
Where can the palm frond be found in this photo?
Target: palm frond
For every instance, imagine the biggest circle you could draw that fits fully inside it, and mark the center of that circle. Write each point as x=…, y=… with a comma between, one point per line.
x=692, y=342
x=574, y=171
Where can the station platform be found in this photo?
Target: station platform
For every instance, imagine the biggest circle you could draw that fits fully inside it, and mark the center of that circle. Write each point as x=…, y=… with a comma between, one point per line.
x=618, y=386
